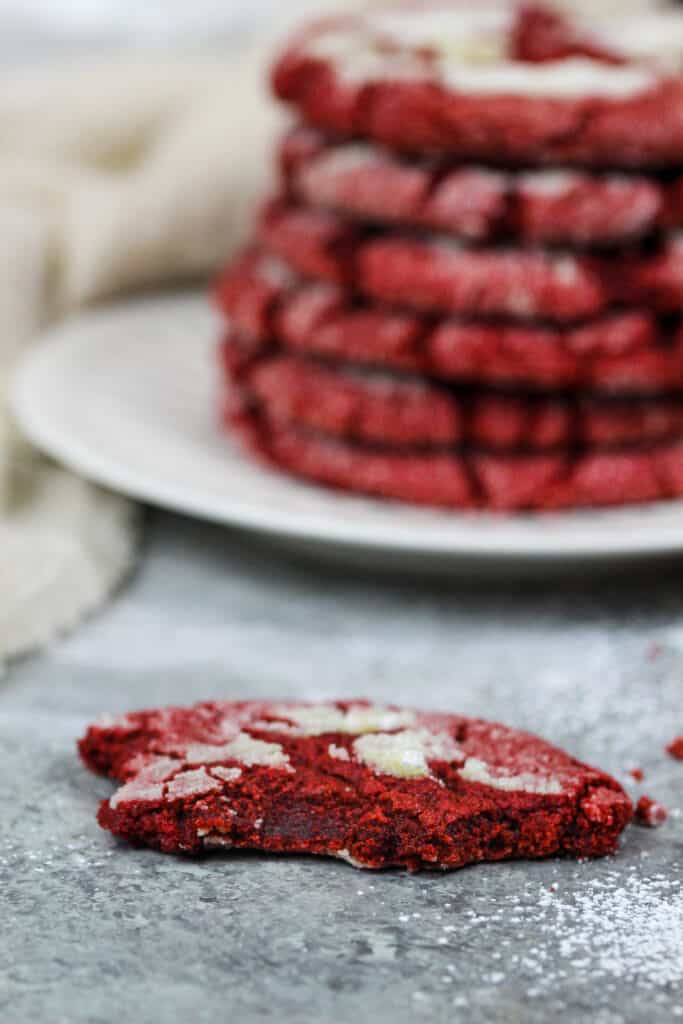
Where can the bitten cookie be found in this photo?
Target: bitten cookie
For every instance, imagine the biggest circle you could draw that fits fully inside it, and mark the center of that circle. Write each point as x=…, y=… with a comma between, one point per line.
x=376, y=786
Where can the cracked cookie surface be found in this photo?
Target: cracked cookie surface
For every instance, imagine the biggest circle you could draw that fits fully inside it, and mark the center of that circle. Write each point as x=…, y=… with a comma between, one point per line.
x=497, y=83
x=342, y=400
x=625, y=352
x=378, y=786
x=554, y=206
x=436, y=274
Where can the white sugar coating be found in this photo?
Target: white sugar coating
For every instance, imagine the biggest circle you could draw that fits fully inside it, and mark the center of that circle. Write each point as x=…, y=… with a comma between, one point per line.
x=656, y=36
x=475, y=770
x=384, y=382
x=192, y=783
x=468, y=57
x=472, y=37
x=136, y=790
x=275, y=272
x=318, y=719
x=567, y=270
x=226, y=774
x=346, y=158
x=340, y=753
x=572, y=78
x=250, y=751
x=406, y=754
x=153, y=769
x=548, y=183
x=205, y=753
x=356, y=61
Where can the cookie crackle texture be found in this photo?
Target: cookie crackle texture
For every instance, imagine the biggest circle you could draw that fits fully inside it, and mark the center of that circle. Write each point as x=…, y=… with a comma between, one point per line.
x=475, y=237
x=377, y=786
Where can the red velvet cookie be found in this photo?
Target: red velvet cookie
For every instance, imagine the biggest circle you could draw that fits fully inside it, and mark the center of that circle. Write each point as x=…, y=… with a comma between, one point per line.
x=376, y=786
x=435, y=274
x=485, y=82
x=473, y=202
x=386, y=408
x=477, y=480
x=617, y=354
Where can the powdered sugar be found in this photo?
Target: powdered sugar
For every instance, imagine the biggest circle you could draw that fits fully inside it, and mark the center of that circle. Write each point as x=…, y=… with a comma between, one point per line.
x=469, y=56
x=406, y=754
x=572, y=78
x=475, y=770
x=621, y=927
x=608, y=929
x=192, y=783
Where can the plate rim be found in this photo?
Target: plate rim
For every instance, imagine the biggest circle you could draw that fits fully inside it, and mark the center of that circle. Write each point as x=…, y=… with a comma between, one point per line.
x=74, y=452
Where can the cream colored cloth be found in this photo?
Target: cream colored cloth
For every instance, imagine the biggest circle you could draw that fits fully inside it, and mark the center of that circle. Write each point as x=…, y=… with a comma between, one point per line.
x=113, y=175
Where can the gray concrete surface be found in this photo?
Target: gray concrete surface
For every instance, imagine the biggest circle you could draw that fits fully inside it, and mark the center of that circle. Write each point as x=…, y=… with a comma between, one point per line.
x=92, y=931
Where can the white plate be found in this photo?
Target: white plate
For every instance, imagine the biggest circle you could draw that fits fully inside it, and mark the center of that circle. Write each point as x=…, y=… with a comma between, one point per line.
x=126, y=396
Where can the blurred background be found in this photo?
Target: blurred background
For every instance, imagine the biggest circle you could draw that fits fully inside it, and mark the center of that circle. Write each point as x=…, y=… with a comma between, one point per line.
x=135, y=143
x=34, y=28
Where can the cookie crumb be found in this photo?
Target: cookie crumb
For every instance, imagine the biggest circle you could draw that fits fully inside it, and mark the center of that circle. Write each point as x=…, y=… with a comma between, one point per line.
x=675, y=748
x=650, y=813
x=637, y=773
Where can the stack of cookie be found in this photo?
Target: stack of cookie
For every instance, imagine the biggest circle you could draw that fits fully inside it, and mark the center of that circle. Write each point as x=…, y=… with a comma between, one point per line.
x=468, y=291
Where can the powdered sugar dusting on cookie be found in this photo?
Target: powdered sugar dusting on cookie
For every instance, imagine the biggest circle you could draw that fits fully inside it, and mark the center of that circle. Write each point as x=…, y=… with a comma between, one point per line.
x=137, y=790
x=205, y=753
x=475, y=770
x=324, y=768
x=468, y=53
x=572, y=78
x=318, y=719
x=465, y=33
x=251, y=751
x=347, y=158
x=552, y=184
x=406, y=754
x=339, y=753
x=150, y=768
x=226, y=774
x=356, y=61
x=192, y=783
